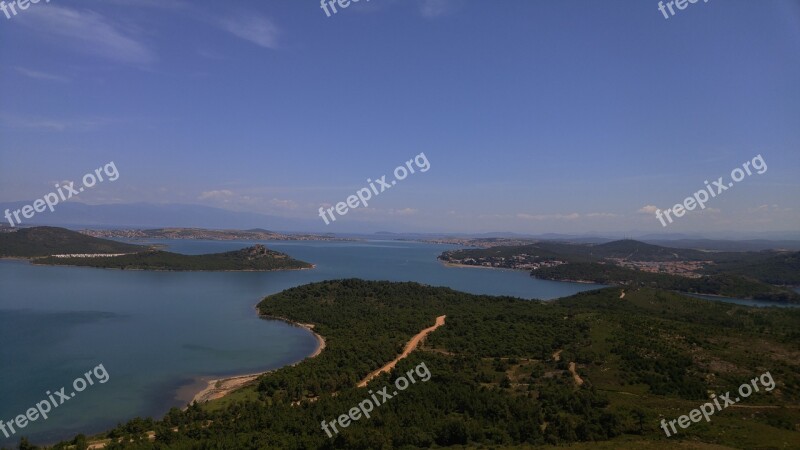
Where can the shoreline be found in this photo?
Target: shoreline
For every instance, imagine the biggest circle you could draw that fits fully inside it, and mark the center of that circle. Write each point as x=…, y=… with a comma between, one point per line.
x=220, y=387
x=574, y=281
x=33, y=263
x=469, y=266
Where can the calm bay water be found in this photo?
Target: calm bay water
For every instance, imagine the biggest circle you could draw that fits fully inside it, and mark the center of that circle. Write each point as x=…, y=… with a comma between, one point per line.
x=157, y=331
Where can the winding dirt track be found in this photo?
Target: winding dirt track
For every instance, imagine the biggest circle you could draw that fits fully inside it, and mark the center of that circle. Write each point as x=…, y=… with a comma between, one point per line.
x=575, y=376
x=410, y=347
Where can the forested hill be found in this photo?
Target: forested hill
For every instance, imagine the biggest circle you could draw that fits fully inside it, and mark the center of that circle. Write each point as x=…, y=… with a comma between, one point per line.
x=781, y=269
x=640, y=251
x=45, y=241
x=500, y=374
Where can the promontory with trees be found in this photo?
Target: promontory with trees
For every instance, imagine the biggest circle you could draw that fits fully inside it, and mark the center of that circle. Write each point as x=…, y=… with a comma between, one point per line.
x=589, y=371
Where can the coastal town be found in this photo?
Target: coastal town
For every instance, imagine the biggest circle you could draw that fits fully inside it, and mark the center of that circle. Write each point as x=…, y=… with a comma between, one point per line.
x=526, y=261
x=521, y=262
x=688, y=269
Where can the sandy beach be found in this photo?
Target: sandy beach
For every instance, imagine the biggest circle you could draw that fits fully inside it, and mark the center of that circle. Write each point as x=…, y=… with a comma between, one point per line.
x=218, y=388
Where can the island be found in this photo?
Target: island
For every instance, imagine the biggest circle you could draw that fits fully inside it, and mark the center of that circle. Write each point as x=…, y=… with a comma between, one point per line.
x=59, y=246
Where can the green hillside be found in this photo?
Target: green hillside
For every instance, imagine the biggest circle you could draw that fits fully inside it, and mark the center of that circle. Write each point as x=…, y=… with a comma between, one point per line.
x=774, y=269
x=724, y=284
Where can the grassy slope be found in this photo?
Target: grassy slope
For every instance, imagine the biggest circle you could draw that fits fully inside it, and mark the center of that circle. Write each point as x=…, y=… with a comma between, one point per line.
x=494, y=382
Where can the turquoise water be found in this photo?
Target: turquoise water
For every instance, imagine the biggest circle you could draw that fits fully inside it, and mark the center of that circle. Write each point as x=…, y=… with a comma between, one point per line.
x=746, y=302
x=155, y=332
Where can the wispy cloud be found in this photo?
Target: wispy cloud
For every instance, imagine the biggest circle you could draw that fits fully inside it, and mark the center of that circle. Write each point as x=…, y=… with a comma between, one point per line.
x=50, y=124
x=768, y=208
x=155, y=4
x=283, y=204
x=601, y=215
x=222, y=194
x=254, y=28
x=35, y=74
x=431, y=9
x=648, y=209
x=88, y=32
x=571, y=216
x=404, y=212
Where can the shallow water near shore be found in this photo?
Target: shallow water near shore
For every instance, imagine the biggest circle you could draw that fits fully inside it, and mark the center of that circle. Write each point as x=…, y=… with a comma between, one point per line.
x=160, y=334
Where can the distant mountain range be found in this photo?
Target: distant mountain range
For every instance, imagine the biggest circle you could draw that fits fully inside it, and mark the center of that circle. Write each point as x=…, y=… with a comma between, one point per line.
x=255, y=234
x=147, y=215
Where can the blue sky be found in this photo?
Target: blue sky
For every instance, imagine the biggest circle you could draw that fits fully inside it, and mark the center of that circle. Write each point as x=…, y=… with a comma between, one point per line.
x=536, y=116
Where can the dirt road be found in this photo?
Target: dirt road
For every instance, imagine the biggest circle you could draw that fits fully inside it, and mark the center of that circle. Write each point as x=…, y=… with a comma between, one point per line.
x=412, y=344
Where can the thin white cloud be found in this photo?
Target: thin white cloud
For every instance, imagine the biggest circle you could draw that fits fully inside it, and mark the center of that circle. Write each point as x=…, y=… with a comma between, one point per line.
x=222, y=194
x=572, y=216
x=37, y=75
x=283, y=204
x=648, y=209
x=50, y=124
x=87, y=32
x=37, y=124
x=602, y=215
x=431, y=9
x=768, y=208
x=404, y=212
x=254, y=28
x=157, y=4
